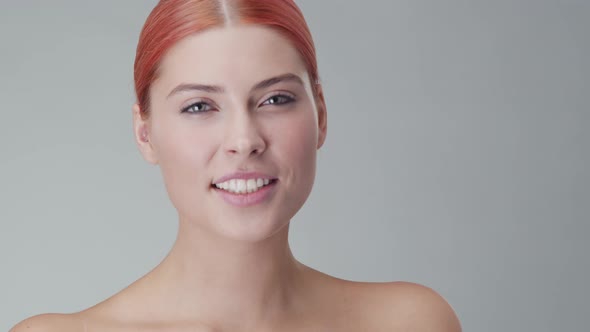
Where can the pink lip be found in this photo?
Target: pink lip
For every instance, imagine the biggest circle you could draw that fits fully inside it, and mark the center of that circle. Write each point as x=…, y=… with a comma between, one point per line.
x=244, y=176
x=244, y=200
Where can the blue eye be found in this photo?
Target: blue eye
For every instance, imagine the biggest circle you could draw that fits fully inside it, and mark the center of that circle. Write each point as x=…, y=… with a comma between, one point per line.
x=279, y=99
x=198, y=107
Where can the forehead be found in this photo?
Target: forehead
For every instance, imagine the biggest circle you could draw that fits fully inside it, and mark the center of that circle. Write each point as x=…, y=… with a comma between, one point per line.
x=234, y=55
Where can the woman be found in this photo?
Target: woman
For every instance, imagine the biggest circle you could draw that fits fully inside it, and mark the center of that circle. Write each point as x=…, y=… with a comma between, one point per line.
x=230, y=107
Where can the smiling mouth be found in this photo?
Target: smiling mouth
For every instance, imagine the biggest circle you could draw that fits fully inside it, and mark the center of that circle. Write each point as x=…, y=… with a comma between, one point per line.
x=243, y=186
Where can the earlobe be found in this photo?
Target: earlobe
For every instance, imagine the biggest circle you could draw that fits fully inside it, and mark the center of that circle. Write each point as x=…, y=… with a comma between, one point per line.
x=142, y=136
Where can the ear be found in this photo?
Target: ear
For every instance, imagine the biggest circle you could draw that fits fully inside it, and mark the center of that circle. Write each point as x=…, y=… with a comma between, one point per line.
x=322, y=117
x=141, y=131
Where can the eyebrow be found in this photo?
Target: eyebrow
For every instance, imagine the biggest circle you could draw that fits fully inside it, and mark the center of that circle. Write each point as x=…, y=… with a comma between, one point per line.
x=289, y=77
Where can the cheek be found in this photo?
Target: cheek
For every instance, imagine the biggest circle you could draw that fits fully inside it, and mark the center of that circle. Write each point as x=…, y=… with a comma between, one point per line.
x=183, y=152
x=302, y=139
x=298, y=144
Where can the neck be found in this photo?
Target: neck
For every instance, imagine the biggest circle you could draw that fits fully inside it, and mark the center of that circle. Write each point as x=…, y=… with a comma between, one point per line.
x=226, y=282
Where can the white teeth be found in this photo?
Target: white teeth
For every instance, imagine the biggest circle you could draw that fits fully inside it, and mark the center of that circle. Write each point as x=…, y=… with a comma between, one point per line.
x=242, y=186
x=251, y=185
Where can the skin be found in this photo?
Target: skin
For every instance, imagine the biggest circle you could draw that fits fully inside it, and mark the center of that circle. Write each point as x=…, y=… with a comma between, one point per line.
x=231, y=268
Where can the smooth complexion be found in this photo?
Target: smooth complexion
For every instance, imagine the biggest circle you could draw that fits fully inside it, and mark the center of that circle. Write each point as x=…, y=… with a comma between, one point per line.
x=214, y=112
x=231, y=101
x=236, y=102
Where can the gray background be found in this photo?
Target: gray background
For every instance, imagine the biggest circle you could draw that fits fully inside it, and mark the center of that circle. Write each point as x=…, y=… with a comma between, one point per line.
x=457, y=156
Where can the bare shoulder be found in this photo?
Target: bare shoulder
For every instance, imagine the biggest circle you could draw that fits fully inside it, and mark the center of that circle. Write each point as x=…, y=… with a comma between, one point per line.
x=407, y=306
x=49, y=323
x=384, y=306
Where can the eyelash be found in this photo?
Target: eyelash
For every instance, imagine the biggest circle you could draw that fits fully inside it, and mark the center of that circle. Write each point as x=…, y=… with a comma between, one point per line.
x=191, y=106
x=287, y=99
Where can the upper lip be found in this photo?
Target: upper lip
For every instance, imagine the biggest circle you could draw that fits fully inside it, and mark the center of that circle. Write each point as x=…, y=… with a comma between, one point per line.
x=244, y=176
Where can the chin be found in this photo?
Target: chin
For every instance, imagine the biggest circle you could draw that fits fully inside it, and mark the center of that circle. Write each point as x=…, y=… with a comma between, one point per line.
x=250, y=228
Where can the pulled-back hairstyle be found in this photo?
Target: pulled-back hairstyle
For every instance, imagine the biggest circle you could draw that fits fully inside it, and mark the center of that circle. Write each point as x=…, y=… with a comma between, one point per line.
x=172, y=20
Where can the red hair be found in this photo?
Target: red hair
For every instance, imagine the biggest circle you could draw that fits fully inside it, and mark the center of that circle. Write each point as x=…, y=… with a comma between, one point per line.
x=172, y=20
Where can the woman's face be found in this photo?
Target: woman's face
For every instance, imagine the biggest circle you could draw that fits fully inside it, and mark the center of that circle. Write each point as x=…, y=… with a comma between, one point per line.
x=234, y=128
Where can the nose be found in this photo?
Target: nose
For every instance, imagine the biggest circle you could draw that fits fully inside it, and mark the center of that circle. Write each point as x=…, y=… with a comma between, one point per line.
x=243, y=136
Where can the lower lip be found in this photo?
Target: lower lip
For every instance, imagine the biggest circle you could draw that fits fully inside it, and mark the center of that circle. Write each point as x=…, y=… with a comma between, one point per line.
x=244, y=200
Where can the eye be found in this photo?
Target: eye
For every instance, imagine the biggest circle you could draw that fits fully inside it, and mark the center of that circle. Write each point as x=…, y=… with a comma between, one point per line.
x=278, y=99
x=198, y=107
